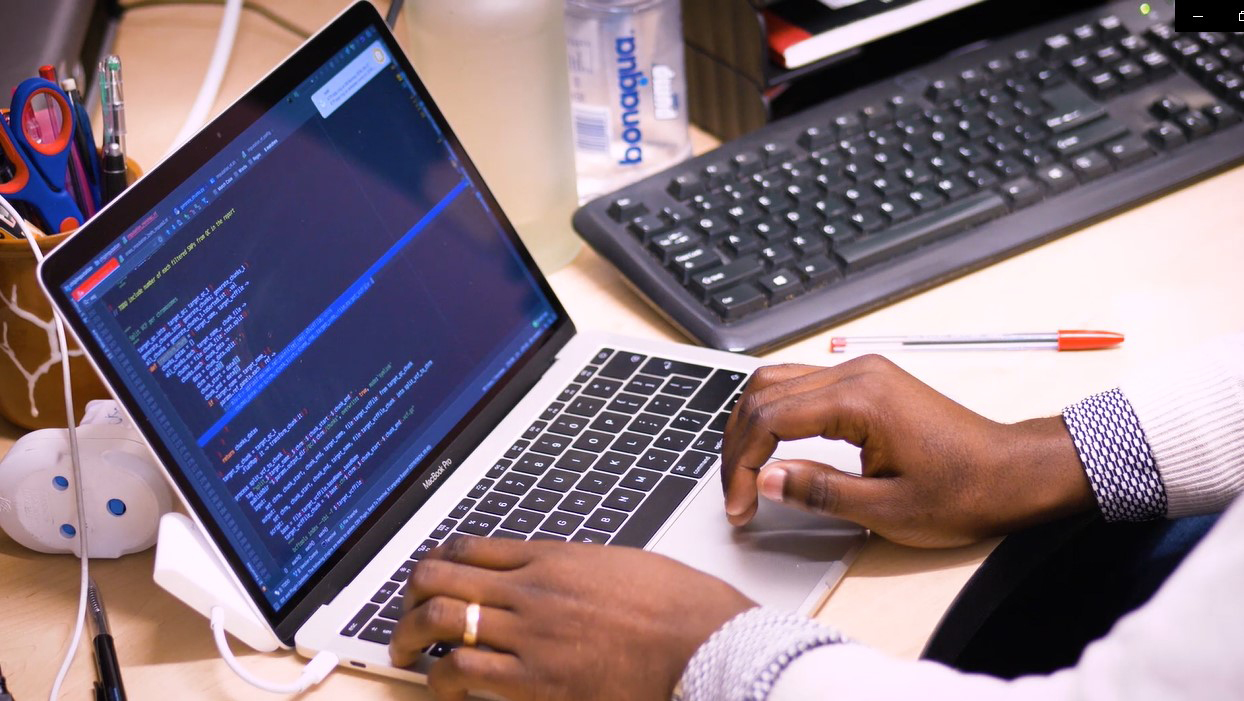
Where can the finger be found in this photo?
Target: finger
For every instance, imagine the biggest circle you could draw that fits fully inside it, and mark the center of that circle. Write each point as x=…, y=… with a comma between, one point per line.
x=438, y=577
x=826, y=411
x=489, y=553
x=471, y=669
x=821, y=489
x=442, y=619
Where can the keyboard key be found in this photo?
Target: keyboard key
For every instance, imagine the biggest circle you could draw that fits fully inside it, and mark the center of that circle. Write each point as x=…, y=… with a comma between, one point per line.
x=623, y=365
x=1087, y=137
x=602, y=387
x=498, y=468
x=606, y=520
x=716, y=390
x=515, y=483
x=403, y=573
x=694, y=463
x=590, y=537
x=781, y=284
x=654, y=511
x=557, y=480
x=1167, y=135
x=542, y=535
x=478, y=523
x=623, y=499
x=727, y=276
x=541, y=500
x=738, y=302
x=552, y=411
x=1129, y=150
x=627, y=403
x=534, y=429
x=597, y=482
x=640, y=479
x=1091, y=165
x=426, y=547
x=610, y=422
x=392, y=611
x=561, y=523
x=523, y=521
x=578, y=502
x=444, y=528
x=657, y=459
x=681, y=386
x=567, y=425
x=481, y=488
x=674, y=440
x=576, y=460
x=382, y=595
x=1056, y=177
x=719, y=422
x=517, y=449
x=1022, y=192
x=593, y=441
x=550, y=444
x=498, y=503
x=585, y=406
x=613, y=462
x=463, y=508
x=377, y=631
x=626, y=208
x=685, y=186
x=643, y=384
x=360, y=620
x=708, y=442
x=630, y=442
x=691, y=421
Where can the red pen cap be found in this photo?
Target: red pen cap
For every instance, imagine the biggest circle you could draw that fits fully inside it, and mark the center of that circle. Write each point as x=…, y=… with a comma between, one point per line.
x=1075, y=339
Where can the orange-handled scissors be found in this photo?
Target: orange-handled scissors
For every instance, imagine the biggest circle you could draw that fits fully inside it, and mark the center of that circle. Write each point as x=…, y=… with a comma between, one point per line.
x=36, y=143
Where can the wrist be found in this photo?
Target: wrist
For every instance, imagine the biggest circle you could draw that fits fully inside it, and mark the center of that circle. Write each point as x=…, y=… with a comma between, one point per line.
x=1050, y=481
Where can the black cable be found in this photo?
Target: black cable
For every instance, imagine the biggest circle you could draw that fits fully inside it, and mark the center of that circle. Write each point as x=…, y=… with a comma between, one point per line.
x=246, y=5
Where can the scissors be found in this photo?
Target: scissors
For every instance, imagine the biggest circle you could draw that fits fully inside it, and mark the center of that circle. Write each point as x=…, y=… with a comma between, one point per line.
x=37, y=145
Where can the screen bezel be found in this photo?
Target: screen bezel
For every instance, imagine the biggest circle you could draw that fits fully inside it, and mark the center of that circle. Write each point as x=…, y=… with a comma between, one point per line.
x=100, y=232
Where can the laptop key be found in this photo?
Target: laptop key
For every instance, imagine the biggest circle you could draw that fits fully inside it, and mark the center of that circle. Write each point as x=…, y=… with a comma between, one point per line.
x=542, y=535
x=623, y=365
x=393, y=610
x=674, y=440
x=360, y=620
x=606, y=520
x=597, y=482
x=648, y=423
x=576, y=460
x=534, y=430
x=377, y=631
x=498, y=468
x=586, y=373
x=552, y=411
x=562, y=523
x=665, y=405
x=511, y=535
x=424, y=548
x=643, y=384
x=627, y=403
x=479, y=523
x=654, y=511
x=382, y=595
x=570, y=391
x=481, y=488
x=717, y=390
x=681, y=386
x=623, y=500
x=567, y=425
x=594, y=441
x=614, y=462
x=585, y=406
x=523, y=521
x=463, y=508
x=533, y=464
x=611, y=422
x=640, y=479
x=444, y=528
x=498, y=503
x=602, y=355
x=403, y=573
x=633, y=443
x=550, y=444
x=541, y=500
x=602, y=387
x=558, y=480
x=515, y=483
x=719, y=422
x=578, y=502
x=661, y=367
x=516, y=449
x=591, y=537
x=709, y=442
x=691, y=421
x=657, y=459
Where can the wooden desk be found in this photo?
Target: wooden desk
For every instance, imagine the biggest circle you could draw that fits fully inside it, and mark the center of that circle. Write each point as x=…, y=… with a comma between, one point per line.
x=1166, y=270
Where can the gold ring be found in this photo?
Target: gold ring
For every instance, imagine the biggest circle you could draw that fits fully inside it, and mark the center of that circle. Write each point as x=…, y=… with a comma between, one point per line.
x=470, y=632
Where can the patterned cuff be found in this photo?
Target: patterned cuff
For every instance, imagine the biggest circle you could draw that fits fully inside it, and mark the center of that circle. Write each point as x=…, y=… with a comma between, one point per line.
x=744, y=658
x=1116, y=457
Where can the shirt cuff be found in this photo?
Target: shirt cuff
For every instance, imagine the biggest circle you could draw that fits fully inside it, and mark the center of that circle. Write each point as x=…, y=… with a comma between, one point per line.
x=744, y=658
x=1116, y=457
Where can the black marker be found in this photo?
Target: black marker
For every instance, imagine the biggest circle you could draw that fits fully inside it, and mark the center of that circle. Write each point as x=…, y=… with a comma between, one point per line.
x=114, y=171
x=107, y=669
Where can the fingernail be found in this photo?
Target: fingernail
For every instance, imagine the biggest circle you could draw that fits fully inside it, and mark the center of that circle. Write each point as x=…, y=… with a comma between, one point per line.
x=772, y=482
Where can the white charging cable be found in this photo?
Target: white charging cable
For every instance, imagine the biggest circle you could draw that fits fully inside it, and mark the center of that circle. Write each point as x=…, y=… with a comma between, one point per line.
x=215, y=74
x=313, y=673
x=79, y=499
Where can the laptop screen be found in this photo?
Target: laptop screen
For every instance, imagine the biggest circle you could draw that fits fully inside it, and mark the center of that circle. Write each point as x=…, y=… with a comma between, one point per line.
x=313, y=309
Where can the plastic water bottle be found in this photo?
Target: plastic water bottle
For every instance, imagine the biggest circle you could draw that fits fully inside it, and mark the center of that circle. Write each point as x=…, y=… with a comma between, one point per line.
x=627, y=90
x=497, y=70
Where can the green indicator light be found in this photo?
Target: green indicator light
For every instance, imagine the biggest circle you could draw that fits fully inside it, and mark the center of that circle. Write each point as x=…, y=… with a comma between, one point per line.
x=1145, y=8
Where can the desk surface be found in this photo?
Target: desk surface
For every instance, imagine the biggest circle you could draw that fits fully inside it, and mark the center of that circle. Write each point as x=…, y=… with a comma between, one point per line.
x=1166, y=269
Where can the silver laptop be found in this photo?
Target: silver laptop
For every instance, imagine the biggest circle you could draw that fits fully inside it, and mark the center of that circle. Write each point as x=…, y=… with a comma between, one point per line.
x=342, y=354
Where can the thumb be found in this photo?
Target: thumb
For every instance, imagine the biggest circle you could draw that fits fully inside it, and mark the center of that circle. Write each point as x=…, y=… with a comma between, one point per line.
x=821, y=489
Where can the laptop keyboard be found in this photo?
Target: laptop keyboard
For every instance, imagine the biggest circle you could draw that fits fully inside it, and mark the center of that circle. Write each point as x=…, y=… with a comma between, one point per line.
x=607, y=462
x=846, y=206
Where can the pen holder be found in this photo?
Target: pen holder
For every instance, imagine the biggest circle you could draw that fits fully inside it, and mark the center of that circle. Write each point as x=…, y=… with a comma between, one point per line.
x=32, y=391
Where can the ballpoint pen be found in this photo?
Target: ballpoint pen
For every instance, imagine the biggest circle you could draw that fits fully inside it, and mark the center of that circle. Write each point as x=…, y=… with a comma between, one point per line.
x=84, y=140
x=1054, y=340
x=112, y=101
x=107, y=669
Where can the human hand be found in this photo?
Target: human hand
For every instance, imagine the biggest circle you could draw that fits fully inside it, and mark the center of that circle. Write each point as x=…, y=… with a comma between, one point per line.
x=934, y=474
x=560, y=620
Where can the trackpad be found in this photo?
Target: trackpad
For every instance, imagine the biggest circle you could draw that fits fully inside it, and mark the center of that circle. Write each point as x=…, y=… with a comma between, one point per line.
x=784, y=558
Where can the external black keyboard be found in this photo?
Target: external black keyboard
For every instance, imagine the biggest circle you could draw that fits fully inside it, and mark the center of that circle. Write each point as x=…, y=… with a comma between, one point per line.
x=608, y=462
x=906, y=183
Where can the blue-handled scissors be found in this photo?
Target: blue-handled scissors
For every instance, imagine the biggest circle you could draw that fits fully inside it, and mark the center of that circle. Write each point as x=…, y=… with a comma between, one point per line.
x=36, y=140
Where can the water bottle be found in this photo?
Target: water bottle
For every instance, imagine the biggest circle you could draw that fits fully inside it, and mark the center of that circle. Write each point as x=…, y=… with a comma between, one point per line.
x=628, y=91
x=497, y=70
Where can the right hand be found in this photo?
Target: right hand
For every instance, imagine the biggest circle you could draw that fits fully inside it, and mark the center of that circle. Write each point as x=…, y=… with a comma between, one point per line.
x=934, y=474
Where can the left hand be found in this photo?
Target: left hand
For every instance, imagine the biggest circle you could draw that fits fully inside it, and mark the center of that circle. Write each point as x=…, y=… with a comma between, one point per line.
x=560, y=620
